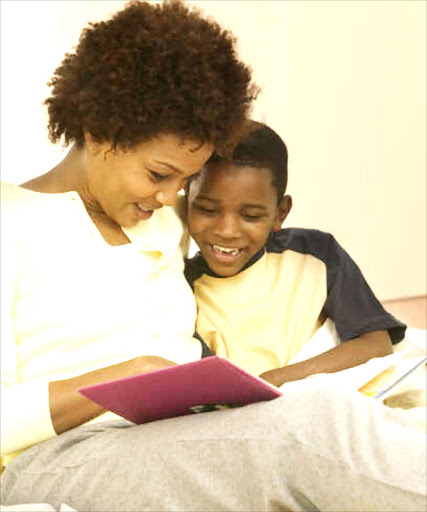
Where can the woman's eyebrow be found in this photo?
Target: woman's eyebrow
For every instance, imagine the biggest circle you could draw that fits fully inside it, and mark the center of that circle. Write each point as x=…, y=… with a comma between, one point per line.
x=169, y=166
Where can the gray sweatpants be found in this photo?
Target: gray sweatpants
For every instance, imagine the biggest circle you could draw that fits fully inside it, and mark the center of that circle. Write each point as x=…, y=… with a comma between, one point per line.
x=320, y=449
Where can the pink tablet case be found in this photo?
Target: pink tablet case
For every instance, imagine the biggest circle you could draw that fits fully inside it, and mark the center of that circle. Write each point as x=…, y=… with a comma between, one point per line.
x=175, y=390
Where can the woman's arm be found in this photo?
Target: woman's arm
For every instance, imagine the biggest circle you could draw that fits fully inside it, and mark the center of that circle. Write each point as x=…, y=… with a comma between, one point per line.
x=346, y=355
x=69, y=409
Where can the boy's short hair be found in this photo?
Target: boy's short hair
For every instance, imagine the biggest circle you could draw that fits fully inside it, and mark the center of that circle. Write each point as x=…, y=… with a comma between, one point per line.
x=260, y=146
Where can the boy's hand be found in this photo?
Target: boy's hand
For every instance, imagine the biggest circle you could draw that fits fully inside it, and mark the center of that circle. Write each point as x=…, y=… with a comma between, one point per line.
x=279, y=376
x=346, y=355
x=270, y=377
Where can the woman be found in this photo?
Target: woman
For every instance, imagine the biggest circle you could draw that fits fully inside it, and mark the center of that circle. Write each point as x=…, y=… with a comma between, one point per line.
x=142, y=117
x=92, y=290
x=144, y=100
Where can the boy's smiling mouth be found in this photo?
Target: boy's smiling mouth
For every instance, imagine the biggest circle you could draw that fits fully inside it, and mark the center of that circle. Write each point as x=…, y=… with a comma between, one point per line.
x=232, y=251
x=221, y=255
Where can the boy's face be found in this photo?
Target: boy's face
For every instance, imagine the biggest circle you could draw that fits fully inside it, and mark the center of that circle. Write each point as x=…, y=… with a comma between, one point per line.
x=231, y=211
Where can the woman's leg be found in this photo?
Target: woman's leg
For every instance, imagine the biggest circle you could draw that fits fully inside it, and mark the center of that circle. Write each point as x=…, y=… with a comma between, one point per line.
x=320, y=449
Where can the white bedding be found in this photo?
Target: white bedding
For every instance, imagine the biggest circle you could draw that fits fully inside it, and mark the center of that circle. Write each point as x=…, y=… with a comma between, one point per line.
x=410, y=396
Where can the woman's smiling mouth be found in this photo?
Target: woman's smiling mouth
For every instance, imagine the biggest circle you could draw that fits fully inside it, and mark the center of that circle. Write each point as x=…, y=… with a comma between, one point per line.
x=142, y=212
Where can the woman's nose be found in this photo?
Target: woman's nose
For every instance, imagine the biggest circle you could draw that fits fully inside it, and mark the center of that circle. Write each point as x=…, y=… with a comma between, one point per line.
x=168, y=193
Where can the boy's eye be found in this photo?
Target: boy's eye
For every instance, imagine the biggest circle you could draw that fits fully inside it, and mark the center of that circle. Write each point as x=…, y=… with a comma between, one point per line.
x=205, y=209
x=252, y=218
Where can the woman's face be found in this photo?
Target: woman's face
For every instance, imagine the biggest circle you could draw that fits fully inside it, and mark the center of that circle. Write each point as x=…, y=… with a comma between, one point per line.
x=129, y=184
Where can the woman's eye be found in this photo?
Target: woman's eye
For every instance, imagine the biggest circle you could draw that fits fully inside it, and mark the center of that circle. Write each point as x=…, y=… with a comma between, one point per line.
x=155, y=176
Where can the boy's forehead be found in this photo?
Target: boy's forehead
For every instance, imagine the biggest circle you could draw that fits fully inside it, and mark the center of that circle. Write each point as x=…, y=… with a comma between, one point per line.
x=214, y=173
x=220, y=178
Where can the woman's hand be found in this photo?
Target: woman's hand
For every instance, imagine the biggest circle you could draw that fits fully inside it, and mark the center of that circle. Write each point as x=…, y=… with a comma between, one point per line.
x=142, y=364
x=69, y=409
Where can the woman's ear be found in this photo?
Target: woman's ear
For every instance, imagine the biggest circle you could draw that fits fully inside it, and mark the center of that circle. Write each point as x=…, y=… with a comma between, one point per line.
x=282, y=211
x=96, y=148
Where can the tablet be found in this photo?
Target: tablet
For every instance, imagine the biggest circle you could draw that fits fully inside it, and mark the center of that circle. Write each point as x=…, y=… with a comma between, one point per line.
x=207, y=384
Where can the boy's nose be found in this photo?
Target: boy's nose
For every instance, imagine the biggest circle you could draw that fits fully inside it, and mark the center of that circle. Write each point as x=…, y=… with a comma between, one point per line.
x=227, y=226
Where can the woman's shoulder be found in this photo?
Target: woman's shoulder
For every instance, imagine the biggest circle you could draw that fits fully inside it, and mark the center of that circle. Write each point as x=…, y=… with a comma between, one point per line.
x=25, y=213
x=16, y=196
x=15, y=200
x=19, y=196
x=17, y=215
x=11, y=193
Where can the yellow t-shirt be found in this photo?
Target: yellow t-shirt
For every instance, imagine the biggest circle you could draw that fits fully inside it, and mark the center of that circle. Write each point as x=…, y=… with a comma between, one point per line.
x=261, y=317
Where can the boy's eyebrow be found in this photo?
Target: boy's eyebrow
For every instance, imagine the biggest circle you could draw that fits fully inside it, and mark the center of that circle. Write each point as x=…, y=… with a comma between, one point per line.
x=244, y=205
x=206, y=198
x=254, y=205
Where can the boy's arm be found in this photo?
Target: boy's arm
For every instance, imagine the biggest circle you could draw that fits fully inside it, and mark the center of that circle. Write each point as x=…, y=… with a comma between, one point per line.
x=346, y=355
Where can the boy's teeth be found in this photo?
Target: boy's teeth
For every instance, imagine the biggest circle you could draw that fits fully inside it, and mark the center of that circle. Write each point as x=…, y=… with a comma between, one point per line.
x=227, y=250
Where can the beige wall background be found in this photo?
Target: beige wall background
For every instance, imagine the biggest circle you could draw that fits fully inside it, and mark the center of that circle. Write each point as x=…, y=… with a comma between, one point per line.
x=343, y=82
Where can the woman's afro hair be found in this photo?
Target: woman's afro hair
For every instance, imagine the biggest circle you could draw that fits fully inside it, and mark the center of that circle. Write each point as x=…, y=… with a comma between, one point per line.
x=151, y=68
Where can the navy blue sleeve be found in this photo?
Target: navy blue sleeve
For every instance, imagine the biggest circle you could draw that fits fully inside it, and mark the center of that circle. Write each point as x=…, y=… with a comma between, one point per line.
x=350, y=303
x=206, y=351
x=194, y=268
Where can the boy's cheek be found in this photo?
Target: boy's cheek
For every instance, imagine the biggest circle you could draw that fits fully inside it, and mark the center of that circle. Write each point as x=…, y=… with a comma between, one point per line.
x=196, y=221
x=194, y=225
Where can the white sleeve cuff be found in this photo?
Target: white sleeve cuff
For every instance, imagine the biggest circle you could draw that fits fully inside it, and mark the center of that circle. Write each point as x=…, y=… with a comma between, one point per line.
x=25, y=415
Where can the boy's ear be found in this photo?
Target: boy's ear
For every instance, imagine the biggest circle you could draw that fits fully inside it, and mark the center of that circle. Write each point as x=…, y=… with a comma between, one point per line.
x=282, y=211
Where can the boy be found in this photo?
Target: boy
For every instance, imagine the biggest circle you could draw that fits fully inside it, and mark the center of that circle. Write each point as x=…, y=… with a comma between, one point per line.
x=263, y=291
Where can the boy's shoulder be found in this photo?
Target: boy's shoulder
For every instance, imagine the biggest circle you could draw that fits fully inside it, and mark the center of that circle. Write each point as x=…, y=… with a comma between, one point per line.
x=303, y=240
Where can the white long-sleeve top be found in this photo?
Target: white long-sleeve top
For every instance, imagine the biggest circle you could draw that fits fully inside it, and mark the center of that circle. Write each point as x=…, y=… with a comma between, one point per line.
x=71, y=303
